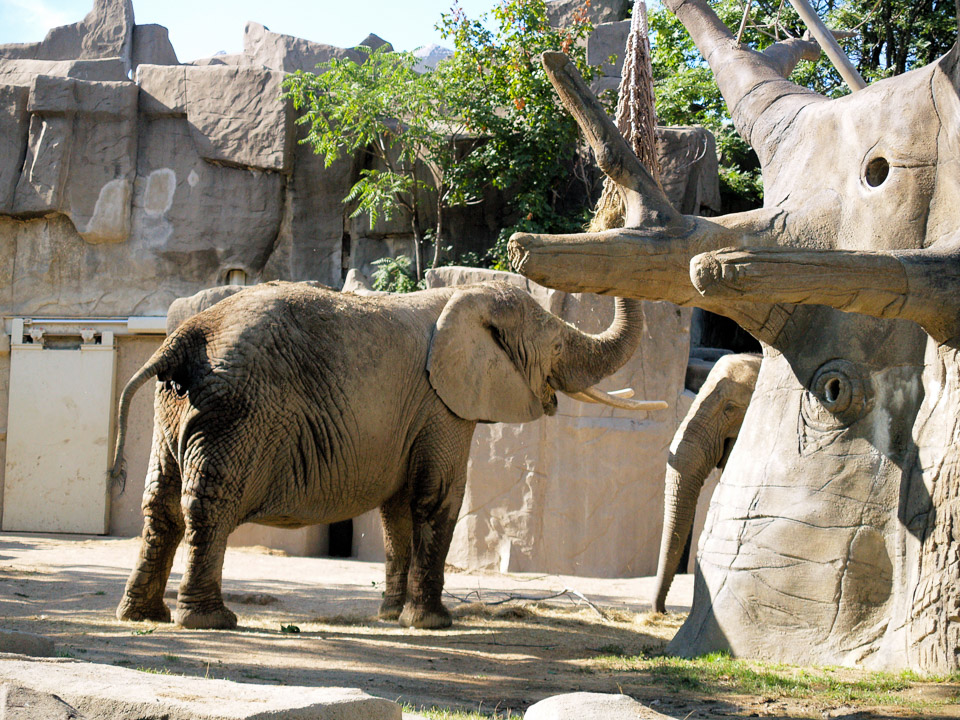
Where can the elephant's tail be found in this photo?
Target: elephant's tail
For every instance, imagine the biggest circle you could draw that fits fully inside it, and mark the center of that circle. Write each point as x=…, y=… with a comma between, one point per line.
x=170, y=355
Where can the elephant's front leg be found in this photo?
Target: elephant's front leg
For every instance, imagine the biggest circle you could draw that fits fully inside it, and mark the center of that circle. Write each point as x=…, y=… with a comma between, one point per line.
x=210, y=512
x=397, y=523
x=439, y=477
x=162, y=531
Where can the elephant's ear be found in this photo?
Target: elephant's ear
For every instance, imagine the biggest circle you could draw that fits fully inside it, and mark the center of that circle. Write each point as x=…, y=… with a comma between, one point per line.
x=469, y=368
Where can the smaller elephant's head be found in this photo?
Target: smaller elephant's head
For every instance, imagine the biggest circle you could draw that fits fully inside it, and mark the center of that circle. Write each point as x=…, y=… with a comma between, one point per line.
x=497, y=356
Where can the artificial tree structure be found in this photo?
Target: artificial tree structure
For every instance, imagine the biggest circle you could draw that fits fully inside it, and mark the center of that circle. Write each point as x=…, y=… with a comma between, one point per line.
x=832, y=537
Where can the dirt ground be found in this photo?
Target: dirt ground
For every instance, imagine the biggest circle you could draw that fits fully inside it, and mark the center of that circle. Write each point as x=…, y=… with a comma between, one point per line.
x=499, y=656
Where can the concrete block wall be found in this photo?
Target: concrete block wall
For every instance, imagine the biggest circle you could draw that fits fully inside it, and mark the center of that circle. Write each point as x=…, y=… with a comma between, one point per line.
x=119, y=195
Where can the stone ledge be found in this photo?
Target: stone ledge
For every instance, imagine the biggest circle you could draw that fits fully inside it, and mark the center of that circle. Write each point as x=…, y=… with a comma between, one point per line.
x=108, y=691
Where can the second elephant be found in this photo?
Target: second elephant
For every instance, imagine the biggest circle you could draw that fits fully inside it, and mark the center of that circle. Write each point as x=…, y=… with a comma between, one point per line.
x=702, y=442
x=291, y=405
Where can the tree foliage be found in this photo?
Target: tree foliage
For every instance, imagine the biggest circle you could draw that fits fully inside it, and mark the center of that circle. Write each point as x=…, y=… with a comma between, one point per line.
x=486, y=117
x=500, y=90
x=891, y=37
x=397, y=119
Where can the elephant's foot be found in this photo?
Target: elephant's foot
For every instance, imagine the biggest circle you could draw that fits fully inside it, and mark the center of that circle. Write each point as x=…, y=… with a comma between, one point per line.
x=390, y=609
x=426, y=618
x=209, y=618
x=131, y=610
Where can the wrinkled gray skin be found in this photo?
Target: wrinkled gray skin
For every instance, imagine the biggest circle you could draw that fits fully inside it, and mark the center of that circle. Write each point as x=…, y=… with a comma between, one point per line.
x=290, y=405
x=702, y=442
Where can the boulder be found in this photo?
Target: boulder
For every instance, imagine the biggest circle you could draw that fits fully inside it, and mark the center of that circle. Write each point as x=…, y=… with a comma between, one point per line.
x=234, y=114
x=80, y=157
x=14, y=124
x=608, y=39
x=276, y=51
x=561, y=13
x=105, y=691
x=151, y=46
x=688, y=169
x=23, y=72
x=106, y=32
x=591, y=706
x=23, y=643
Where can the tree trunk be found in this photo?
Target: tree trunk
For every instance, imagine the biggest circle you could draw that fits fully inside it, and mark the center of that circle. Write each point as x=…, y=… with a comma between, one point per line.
x=417, y=243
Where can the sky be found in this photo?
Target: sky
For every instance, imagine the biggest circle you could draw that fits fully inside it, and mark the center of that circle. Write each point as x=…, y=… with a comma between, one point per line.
x=199, y=28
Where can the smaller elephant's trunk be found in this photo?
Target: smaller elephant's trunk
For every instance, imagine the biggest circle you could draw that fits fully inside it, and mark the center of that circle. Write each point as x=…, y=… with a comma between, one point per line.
x=586, y=359
x=699, y=445
x=681, y=494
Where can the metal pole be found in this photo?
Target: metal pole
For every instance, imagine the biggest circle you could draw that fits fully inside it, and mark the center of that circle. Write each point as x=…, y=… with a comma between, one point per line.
x=823, y=36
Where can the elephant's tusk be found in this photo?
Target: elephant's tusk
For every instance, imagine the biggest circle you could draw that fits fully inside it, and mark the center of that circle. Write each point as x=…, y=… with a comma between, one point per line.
x=617, y=398
x=584, y=397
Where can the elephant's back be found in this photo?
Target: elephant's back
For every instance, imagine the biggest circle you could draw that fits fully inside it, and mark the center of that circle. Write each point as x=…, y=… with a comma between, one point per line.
x=322, y=379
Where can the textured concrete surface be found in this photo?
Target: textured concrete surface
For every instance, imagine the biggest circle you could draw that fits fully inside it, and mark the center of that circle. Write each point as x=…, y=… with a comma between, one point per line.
x=831, y=537
x=104, y=691
x=21, y=703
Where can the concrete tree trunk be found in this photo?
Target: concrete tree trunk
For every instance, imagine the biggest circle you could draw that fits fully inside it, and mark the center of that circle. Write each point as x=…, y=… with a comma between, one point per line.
x=834, y=520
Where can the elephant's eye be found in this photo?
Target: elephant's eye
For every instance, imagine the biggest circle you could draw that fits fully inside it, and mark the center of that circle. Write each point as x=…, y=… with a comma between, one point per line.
x=876, y=172
x=838, y=396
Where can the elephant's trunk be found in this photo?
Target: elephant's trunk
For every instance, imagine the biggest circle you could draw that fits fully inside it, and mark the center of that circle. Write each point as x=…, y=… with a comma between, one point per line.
x=681, y=494
x=586, y=359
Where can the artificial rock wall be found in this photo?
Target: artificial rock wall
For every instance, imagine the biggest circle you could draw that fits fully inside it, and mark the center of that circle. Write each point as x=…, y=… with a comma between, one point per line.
x=128, y=179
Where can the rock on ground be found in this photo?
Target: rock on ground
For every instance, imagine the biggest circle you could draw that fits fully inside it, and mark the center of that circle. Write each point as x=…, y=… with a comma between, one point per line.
x=104, y=691
x=22, y=643
x=591, y=706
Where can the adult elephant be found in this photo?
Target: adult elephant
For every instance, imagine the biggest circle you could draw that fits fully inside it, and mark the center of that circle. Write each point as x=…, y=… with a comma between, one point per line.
x=288, y=405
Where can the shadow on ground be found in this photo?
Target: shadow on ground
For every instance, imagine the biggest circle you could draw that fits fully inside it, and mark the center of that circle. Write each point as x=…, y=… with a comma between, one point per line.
x=501, y=658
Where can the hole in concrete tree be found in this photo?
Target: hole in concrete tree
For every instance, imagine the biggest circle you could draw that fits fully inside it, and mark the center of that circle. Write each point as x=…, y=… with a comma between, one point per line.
x=831, y=391
x=877, y=171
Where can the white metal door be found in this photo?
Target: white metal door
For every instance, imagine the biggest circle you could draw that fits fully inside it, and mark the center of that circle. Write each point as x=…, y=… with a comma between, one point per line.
x=58, y=436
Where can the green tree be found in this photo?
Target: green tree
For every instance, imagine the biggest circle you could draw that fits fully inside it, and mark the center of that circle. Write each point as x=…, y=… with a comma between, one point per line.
x=889, y=37
x=486, y=117
x=399, y=121
x=529, y=145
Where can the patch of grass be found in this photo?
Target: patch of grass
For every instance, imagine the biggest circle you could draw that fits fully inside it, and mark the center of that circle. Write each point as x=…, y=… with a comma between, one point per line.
x=65, y=654
x=170, y=658
x=718, y=673
x=154, y=671
x=145, y=631
x=438, y=713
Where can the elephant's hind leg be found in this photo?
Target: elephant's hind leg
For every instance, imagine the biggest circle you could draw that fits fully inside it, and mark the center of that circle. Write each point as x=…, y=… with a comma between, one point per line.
x=439, y=474
x=210, y=511
x=162, y=531
x=397, y=541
